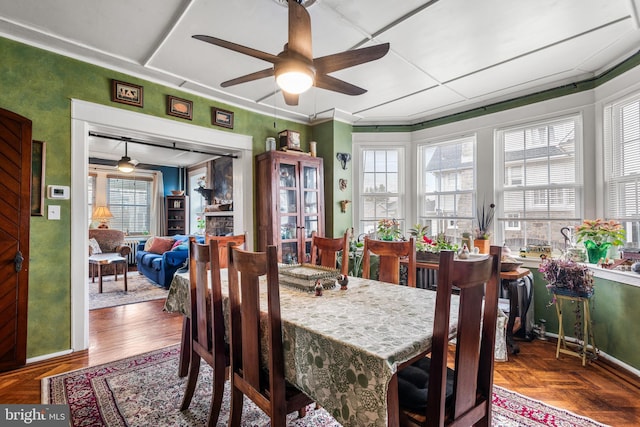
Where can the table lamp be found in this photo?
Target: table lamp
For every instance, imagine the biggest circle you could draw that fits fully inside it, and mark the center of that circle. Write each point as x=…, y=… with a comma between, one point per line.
x=102, y=214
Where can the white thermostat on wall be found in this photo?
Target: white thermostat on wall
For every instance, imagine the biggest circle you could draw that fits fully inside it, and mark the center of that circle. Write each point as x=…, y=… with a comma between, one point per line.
x=58, y=191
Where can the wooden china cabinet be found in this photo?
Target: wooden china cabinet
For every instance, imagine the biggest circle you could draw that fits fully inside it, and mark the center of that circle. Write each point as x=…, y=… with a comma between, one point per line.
x=290, y=203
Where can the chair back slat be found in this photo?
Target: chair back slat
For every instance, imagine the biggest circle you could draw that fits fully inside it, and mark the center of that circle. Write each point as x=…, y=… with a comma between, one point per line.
x=389, y=254
x=223, y=242
x=324, y=251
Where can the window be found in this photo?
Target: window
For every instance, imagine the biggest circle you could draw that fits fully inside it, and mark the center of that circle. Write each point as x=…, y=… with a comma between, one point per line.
x=129, y=200
x=381, y=187
x=446, y=176
x=539, y=182
x=622, y=164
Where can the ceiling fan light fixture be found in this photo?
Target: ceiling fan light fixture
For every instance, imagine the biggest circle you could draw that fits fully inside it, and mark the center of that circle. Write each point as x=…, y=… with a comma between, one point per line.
x=295, y=79
x=124, y=164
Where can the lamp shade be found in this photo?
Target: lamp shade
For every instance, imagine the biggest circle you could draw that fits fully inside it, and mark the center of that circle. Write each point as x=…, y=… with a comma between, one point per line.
x=102, y=214
x=294, y=77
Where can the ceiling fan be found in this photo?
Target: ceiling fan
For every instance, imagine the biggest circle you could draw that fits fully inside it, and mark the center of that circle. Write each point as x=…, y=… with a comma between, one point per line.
x=295, y=68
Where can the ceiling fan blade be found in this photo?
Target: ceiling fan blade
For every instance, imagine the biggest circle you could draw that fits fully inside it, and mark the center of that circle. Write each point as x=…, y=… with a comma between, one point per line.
x=349, y=58
x=239, y=48
x=324, y=81
x=290, y=98
x=249, y=77
x=300, y=30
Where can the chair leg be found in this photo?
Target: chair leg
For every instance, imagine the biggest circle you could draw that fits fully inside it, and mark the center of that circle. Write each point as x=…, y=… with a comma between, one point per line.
x=217, y=392
x=185, y=348
x=235, y=414
x=194, y=370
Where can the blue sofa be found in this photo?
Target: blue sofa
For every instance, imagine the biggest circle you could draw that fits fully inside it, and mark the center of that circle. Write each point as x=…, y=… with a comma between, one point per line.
x=161, y=268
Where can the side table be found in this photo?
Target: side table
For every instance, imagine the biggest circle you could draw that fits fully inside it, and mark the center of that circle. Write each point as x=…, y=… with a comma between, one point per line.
x=100, y=260
x=588, y=346
x=510, y=281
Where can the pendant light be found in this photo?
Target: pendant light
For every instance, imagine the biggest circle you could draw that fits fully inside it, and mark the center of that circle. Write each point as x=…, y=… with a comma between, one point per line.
x=125, y=165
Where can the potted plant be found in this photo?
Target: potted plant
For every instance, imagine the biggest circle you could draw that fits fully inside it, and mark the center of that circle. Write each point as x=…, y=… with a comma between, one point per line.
x=388, y=229
x=428, y=249
x=483, y=231
x=598, y=235
x=567, y=277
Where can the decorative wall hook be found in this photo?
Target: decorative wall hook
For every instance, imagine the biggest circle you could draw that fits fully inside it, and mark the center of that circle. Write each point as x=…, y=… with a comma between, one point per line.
x=344, y=158
x=343, y=205
x=342, y=183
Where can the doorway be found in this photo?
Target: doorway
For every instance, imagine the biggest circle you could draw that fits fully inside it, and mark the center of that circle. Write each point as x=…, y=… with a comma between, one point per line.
x=85, y=117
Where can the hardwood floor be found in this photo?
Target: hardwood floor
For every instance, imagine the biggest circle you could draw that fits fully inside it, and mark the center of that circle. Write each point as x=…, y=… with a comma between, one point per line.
x=596, y=391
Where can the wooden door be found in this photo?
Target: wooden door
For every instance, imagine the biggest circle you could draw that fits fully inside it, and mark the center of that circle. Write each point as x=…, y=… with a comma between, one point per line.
x=15, y=216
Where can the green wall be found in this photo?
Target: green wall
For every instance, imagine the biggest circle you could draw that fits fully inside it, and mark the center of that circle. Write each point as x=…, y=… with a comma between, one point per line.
x=40, y=85
x=614, y=314
x=333, y=138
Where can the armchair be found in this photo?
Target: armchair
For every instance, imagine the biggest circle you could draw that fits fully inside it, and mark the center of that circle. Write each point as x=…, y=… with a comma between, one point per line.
x=110, y=241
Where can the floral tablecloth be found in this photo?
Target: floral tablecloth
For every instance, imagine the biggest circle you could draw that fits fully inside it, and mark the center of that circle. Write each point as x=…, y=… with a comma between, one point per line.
x=342, y=348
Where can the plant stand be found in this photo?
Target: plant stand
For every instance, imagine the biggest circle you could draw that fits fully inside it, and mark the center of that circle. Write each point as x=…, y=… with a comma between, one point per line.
x=586, y=348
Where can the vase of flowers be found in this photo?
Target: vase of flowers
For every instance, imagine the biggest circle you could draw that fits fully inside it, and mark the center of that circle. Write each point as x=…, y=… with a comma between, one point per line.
x=598, y=235
x=483, y=231
x=388, y=229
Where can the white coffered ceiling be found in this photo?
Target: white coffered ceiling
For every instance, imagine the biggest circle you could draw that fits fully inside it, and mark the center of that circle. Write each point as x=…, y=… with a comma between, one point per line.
x=446, y=56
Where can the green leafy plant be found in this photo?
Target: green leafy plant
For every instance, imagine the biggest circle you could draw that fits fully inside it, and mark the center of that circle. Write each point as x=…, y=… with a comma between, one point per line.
x=389, y=229
x=600, y=231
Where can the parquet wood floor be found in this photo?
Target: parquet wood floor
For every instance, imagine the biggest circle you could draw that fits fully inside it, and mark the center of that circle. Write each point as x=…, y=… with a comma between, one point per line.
x=598, y=391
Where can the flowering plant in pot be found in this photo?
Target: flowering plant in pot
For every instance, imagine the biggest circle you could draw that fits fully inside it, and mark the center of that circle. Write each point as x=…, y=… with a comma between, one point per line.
x=428, y=249
x=598, y=235
x=388, y=229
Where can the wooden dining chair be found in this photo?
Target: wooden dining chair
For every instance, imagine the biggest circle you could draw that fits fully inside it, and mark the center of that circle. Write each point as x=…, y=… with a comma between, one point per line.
x=185, y=349
x=207, y=324
x=430, y=393
x=324, y=251
x=390, y=253
x=267, y=388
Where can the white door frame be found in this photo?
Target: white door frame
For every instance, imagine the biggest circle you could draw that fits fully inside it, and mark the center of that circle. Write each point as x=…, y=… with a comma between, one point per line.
x=86, y=116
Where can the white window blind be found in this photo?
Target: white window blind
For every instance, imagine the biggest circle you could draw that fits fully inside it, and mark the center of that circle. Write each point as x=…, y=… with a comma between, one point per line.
x=622, y=160
x=622, y=165
x=540, y=182
x=447, y=186
x=130, y=203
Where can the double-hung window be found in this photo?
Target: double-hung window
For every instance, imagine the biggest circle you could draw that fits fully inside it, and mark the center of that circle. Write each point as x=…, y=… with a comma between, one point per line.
x=382, y=192
x=446, y=175
x=622, y=164
x=130, y=203
x=539, y=182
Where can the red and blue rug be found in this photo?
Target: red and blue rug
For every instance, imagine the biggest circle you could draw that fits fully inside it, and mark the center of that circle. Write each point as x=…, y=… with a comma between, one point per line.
x=145, y=390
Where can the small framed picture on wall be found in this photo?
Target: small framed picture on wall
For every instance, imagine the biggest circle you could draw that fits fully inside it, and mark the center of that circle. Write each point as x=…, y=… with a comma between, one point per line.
x=179, y=107
x=127, y=93
x=222, y=118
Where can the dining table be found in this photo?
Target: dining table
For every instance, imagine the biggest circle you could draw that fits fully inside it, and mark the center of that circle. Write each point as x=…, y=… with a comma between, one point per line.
x=344, y=348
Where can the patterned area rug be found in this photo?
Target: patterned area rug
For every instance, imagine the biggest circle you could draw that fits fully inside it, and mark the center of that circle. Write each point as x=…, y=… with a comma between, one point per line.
x=113, y=294
x=145, y=390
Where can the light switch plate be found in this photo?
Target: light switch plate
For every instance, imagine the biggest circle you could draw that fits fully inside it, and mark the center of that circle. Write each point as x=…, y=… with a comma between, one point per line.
x=53, y=212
